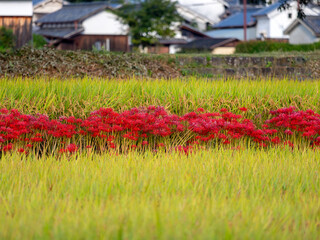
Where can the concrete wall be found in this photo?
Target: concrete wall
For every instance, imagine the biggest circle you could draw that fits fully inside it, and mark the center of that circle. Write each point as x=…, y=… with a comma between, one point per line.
x=104, y=23
x=300, y=34
x=233, y=33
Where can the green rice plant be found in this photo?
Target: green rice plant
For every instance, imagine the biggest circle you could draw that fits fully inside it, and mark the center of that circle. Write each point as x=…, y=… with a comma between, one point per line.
x=79, y=97
x=216, y=194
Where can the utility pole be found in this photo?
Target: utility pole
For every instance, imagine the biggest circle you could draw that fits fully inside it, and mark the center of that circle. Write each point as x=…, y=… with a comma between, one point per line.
x=245, y=20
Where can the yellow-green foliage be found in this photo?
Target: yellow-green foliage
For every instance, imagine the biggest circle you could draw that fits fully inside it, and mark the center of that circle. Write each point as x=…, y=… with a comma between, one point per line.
x=79, y=97
x=217, y=194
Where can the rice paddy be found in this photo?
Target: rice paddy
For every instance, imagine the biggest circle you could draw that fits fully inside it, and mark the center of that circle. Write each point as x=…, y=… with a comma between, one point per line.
x=217, y=192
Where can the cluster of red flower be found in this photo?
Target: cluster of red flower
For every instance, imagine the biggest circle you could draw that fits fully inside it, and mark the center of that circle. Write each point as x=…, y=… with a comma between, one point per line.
x=142, y=126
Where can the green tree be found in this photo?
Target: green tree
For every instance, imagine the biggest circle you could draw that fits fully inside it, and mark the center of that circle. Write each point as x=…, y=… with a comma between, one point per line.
x=149, y=20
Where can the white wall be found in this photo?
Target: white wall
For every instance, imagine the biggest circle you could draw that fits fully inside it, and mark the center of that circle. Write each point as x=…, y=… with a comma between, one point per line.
x=280, y=22
x=263, y=26
x=16, y=8
x=104, y=23
x=276, y=22
x=233, y=33
x=300, y=34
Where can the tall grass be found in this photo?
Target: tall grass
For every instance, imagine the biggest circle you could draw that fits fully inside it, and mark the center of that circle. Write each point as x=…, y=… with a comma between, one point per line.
x=217, y=194
x=79, y=97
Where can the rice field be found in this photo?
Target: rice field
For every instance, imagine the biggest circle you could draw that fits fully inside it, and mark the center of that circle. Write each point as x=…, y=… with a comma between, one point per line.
x=215, y=192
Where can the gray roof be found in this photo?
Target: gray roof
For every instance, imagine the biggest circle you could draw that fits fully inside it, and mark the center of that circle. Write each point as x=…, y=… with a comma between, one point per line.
x=59, y=32
x=207, y=43
x=74, y=12
x=313, y=22
x=265, y=11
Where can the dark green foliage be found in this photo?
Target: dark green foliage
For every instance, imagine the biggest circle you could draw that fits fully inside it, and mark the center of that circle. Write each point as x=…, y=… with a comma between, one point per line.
x=6, y=39
x=38, y=41
x=149, y=20
x=271, y=46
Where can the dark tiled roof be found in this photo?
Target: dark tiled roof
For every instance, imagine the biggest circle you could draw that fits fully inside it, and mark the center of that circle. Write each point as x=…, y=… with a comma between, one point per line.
x=236, y=20
x=207, y=43
x=59, y=32
x=192, y=29
x=267, y=10
x=313, y=22
x=74, y=12
x=173, y=41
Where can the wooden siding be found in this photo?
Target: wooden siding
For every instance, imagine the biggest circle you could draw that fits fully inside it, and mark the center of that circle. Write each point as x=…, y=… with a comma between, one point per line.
x=118, y=43
x=21, y=26
x=158, y=49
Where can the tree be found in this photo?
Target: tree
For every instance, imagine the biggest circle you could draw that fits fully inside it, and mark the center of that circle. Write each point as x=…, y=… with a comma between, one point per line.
x=285, y=4
x=149, y=20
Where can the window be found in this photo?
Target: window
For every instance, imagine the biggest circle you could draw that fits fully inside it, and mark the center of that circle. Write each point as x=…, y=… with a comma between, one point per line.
x=290, y=15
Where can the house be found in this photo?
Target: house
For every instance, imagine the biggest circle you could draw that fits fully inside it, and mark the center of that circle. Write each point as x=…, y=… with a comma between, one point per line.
x=262, y=22
x=85, y=26
x=232, y=27
x=271, y=22
x=213, y=45
x=304, y=31
x=17, y=15
x=44, y=7
x=184, y=33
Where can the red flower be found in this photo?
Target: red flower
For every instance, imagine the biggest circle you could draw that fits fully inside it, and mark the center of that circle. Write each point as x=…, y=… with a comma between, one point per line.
x=243, y=109
x=21, y=150
x=72, y=148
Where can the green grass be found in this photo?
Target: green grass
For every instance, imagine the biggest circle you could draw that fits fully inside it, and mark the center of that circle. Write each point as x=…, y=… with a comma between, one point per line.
x=79, y=97
x=216, y=194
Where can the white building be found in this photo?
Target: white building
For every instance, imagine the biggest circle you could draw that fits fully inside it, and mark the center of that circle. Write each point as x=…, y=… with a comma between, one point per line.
x=304, y=31
x=85, y=26
x=271, y=22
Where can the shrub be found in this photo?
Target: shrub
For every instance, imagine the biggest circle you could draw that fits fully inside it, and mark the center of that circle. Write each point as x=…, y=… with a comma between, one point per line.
x=38, y=41
x=7, y=39
x=272, y=46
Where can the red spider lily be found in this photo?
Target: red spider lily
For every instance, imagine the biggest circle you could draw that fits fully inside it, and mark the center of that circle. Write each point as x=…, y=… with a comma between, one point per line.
x=72, y=148
x=155, y=123
x=243, y=109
